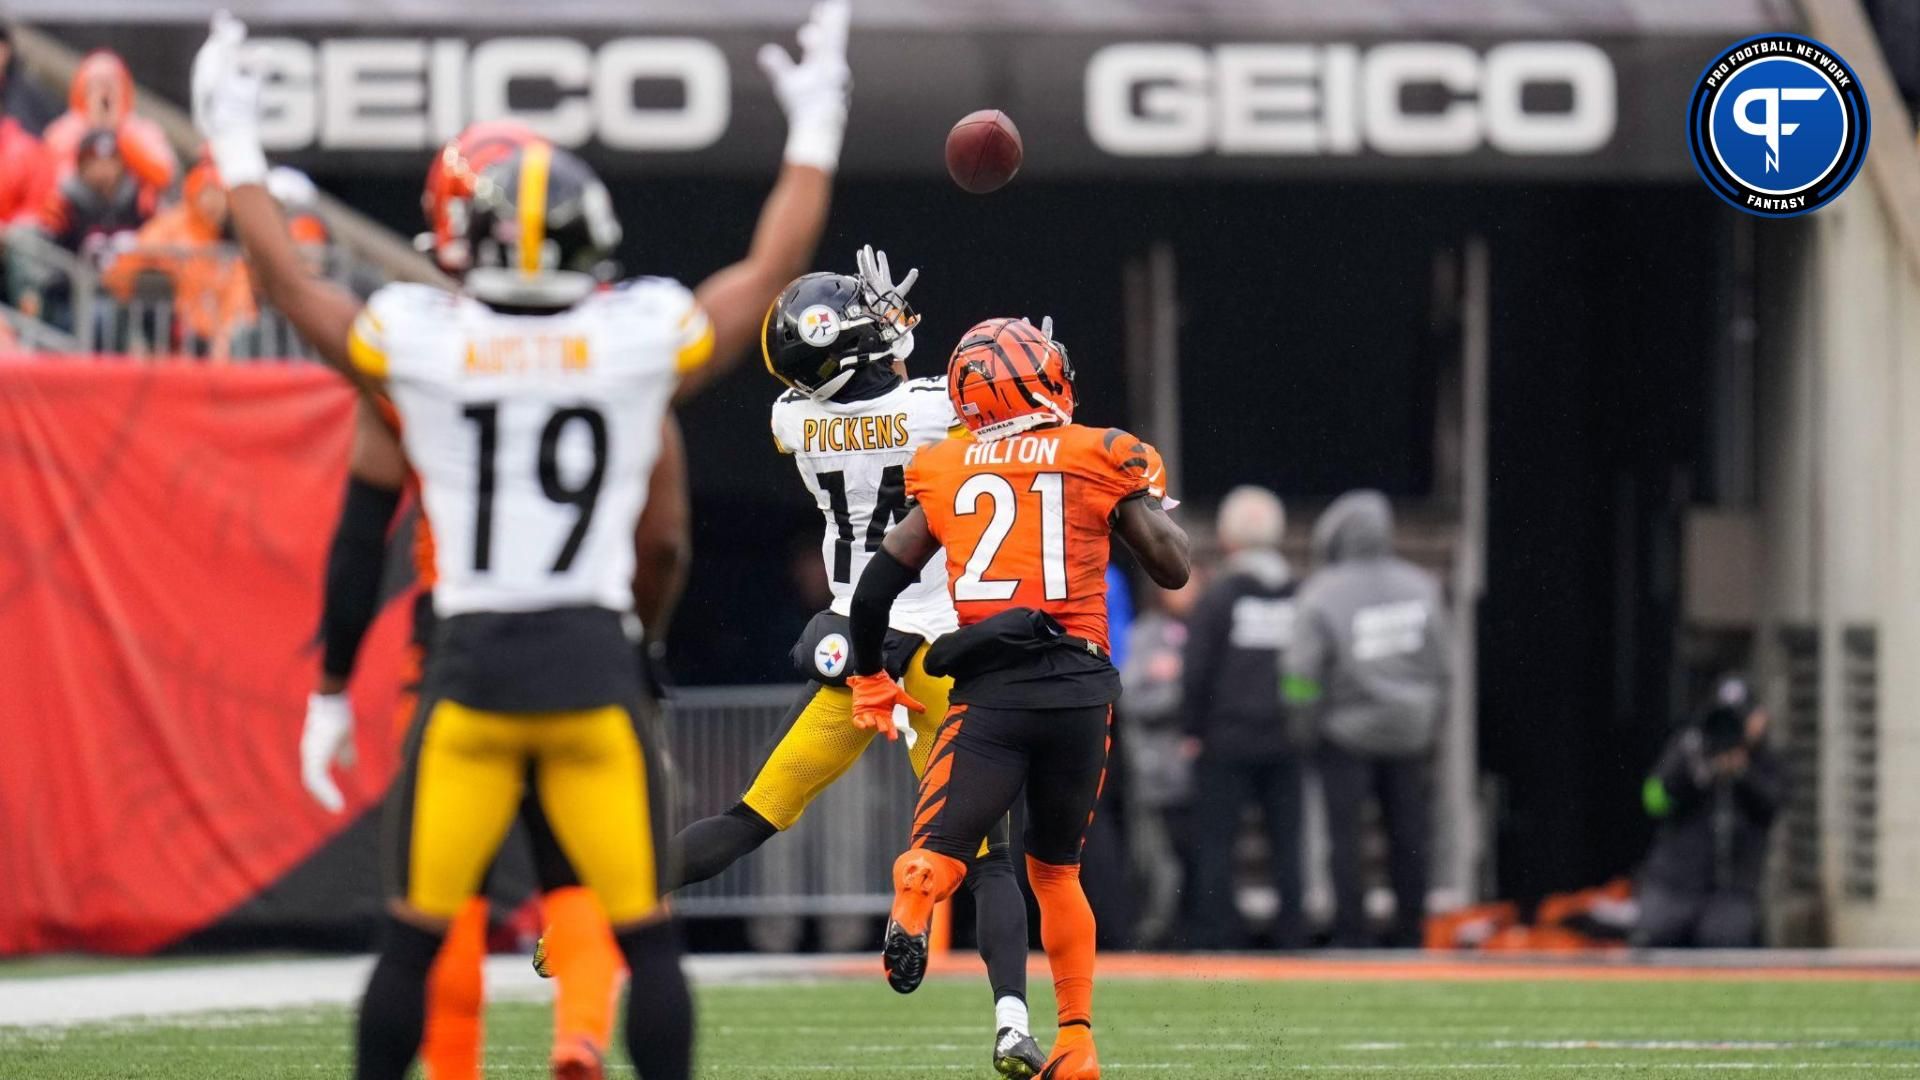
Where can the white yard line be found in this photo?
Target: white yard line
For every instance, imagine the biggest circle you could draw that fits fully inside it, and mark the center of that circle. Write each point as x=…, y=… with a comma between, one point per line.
x=269, y=984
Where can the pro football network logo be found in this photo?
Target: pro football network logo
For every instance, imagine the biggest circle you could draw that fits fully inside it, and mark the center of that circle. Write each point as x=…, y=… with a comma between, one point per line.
x=1778, y=125
x=830, y=656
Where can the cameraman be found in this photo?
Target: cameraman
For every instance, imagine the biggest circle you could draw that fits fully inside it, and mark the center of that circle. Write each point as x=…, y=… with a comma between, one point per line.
x=1714, y=793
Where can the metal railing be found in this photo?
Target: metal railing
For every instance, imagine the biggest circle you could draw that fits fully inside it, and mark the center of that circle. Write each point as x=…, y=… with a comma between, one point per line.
x=838, y=860
x=74, y=310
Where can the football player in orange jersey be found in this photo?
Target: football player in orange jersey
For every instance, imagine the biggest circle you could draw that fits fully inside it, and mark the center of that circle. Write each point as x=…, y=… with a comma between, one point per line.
x=1025, y=509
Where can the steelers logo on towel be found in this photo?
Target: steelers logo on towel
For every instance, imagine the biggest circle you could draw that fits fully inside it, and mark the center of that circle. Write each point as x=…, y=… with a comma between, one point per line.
x=830, y=656
x=819, y=326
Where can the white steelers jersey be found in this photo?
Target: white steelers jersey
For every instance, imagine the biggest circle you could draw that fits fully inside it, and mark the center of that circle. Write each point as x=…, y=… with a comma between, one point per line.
x=533, y=436
x=852, y=456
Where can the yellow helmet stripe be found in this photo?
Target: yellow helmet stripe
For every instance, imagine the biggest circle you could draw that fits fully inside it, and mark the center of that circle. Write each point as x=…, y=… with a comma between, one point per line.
x=535, y=161
x=766, y=354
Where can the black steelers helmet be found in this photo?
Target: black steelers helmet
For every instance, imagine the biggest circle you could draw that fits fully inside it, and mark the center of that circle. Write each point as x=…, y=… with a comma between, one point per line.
x=825, y=327
x=541, y=229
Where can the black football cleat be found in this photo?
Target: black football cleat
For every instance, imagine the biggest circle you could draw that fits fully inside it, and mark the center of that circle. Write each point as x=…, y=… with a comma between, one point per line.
x=905, y=958
x=1016, y=1055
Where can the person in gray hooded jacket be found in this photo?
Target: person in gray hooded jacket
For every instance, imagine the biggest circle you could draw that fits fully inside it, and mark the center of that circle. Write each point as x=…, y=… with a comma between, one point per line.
x=1366, y=678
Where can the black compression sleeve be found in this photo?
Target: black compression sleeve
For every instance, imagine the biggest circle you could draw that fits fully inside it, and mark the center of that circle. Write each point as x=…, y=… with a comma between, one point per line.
x=354, y=566
x=884, y=579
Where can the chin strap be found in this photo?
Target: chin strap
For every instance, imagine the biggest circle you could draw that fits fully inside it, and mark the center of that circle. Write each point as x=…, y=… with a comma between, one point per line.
x=1054, y=414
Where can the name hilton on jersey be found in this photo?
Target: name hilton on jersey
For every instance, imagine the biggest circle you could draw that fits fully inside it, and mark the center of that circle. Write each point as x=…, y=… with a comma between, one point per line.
x=1026, y=449
x=856, y=433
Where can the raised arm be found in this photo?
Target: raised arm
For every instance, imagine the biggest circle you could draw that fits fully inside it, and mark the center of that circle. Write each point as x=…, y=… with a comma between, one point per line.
x=813, y=93
x=226, y=109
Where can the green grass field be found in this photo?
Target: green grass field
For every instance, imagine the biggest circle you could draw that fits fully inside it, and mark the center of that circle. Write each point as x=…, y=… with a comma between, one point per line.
x=1147, y=1028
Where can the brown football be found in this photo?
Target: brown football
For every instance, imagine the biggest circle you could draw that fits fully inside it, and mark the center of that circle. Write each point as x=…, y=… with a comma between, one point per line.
x=983, y=151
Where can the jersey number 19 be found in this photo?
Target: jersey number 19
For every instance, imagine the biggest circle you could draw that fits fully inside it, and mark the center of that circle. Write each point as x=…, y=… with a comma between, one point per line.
x=582, y=497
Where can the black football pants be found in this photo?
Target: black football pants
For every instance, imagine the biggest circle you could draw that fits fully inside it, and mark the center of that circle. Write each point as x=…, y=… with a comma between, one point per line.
x=981, y=758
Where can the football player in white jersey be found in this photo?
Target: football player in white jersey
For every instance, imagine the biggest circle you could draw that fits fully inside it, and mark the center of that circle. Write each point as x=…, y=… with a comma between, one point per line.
x=851, y=421
x=534, y=404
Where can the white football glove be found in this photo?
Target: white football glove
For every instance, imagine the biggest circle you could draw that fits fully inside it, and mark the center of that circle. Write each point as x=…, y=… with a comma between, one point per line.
x=889, y=297
x=813, y=92
x=326, y=739
x=226, y=103
x=903, y=723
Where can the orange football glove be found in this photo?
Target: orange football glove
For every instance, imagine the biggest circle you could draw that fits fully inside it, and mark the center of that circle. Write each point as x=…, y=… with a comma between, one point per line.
x=874, y=697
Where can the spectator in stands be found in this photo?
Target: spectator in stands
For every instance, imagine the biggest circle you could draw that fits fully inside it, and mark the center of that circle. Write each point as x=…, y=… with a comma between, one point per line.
x=1159, y=777
x=26, y=172
x=211, y=291
x=1367, y=674
x=19, y=97
x=93, y=212
x=100, y=202
x=26, y=177
x=1236, y=729
x=1714, y=793
x=102, y=97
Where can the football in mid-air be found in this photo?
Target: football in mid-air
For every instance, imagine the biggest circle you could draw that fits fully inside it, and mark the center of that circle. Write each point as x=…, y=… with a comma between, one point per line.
x=983, y=151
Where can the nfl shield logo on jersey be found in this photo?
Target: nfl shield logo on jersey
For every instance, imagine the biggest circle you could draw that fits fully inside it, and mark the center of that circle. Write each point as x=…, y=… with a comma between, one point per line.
x=830, y=656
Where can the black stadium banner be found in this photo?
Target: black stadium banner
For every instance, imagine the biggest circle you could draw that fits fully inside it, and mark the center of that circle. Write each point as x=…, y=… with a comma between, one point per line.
x=1432, y=106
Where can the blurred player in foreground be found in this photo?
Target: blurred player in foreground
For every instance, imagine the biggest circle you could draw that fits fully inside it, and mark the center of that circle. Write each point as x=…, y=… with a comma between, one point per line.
x=851, y=422
x=1025, y=510
x=534, y=406
x=580, y=952
x=455, y=1038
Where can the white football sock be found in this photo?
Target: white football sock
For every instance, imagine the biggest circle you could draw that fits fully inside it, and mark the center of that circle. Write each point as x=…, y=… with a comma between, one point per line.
x=1011, y=1012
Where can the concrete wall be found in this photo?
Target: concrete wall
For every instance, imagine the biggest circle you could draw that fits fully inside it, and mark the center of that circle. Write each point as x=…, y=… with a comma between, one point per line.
x=1839, y=464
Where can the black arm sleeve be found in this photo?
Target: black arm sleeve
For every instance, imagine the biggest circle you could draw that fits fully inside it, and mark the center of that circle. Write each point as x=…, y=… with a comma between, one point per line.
x=354, y=566
x=884, y=579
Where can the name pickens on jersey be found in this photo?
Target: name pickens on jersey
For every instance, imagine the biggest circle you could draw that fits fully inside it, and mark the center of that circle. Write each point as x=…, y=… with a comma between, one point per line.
x=852, y=457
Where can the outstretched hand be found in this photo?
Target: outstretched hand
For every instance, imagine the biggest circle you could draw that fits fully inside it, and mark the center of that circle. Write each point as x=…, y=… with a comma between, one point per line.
x=226, y=102
x=813, y=90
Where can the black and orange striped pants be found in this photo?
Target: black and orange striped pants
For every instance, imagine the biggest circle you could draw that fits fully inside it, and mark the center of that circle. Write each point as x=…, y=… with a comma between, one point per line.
x=982, y=757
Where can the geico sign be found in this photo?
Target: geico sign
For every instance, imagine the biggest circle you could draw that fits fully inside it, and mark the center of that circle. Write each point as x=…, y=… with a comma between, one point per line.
x=411, y=93
x=1171, y=100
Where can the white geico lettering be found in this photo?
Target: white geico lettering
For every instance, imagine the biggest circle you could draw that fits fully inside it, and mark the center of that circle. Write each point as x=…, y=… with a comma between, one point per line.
x=1180, y=100
x=1386, y=630
x=412, y=93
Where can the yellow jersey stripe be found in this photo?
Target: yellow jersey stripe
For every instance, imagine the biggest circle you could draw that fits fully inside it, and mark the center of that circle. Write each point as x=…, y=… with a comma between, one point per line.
x=695, y=352
x=535, y=161
x=369, y=358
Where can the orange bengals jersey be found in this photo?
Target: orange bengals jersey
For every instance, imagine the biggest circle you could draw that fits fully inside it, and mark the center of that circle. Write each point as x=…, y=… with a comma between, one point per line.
x=1025, y=519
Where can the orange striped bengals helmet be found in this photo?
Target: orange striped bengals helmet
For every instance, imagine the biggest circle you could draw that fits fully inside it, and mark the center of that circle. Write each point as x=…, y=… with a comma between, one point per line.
x=1007, y=376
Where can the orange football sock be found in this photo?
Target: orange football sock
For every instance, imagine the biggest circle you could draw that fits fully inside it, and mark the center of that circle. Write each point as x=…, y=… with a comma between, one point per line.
x=921, y=879
x=586, y=966
x=1067, y=933
x=456, y=992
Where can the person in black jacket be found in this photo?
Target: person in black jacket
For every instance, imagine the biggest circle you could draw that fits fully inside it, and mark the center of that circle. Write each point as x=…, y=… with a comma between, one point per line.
x=1714, y=792
x=19, y=97
x=1237, y=734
